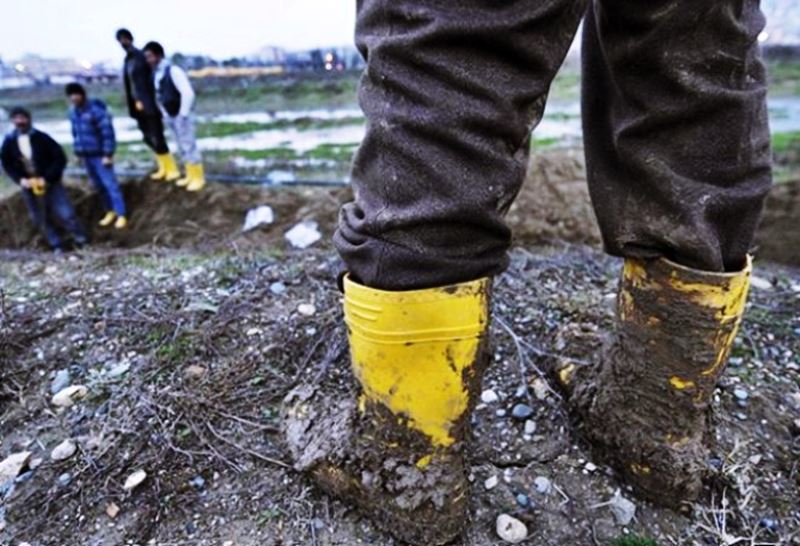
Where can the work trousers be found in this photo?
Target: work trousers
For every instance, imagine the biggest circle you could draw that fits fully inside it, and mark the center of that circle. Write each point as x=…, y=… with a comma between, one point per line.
x=183, y=127
x=105, y=182
x=54, y=211
x=152, y=128
x=675, y=130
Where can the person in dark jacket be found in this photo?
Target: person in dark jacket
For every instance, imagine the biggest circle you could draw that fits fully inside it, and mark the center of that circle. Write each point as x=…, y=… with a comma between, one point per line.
x=36, y=162
x=141, y=96
x=95, y=144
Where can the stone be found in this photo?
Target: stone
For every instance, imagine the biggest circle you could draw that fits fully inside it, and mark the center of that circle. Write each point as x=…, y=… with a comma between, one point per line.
x=489, y=396
x=60, y=381
x=523, y=500
x=540, y=388
x=304, y=234
x=760, y=283
x=741, y=394
x=194, y=372
x=64, y=450
x=510, y=529
x=622, y=509
x=112, y=510
x=530, y=427
x=521, y=412
x=543, y=485
x=67, y=396
x=13, y=465
x=491, y=483
x=277, y=288
x=119, y=370
x=306, y=309
x=134, y=480
x=590, y=467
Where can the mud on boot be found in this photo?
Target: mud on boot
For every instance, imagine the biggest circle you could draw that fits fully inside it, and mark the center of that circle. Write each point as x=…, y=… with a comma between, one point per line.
x=394, y=446
x=645, y=403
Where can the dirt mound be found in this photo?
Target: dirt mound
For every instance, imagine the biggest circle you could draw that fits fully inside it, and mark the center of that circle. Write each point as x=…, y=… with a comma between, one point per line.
x=552, y=207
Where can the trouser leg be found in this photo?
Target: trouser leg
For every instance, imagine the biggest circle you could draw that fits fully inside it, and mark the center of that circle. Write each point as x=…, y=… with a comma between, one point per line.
x=92, y=170
x=60, y=209
x=675, y=127
x=37, y=210
x=107, y=179
x=451, y=93
x=152, y=128
x=184, y=129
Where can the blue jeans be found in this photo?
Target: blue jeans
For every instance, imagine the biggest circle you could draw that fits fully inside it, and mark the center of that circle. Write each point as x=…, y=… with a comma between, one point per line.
x=105, y=182
x=52, y=211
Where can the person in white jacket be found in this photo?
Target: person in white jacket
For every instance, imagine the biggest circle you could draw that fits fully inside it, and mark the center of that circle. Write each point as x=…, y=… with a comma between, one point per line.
x=175, y=97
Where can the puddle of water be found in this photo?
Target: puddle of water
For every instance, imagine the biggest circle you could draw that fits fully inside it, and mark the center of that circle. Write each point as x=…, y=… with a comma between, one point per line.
x=561, y=122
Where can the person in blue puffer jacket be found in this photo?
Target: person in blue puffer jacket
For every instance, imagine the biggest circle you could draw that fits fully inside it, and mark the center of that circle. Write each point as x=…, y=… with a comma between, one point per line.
x=95, y=144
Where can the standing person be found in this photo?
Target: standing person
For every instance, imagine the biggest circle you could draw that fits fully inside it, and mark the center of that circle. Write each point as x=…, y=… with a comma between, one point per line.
x=679, y=163
x=95, y=144
x=36, y=162
x=175, y=97
x=141, y=97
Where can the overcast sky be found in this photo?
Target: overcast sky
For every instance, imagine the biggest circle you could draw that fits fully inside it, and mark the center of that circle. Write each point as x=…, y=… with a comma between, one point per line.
x=84, y=29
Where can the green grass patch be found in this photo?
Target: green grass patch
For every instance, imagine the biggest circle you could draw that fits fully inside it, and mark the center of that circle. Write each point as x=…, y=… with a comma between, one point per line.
x=227, y=128
x=783, y=142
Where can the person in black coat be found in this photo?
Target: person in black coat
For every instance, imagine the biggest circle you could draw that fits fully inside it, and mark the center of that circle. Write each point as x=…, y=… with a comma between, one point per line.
x=36, y=162
x=140, y=93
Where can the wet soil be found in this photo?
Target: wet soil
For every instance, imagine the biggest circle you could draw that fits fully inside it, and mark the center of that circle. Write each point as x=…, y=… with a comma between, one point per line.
x=129, y=324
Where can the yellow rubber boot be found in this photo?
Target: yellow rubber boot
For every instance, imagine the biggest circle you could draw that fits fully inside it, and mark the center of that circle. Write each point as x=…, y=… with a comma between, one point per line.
x=418, y=357
x=644, y=404
x=121, y=223
x=167, y=168
x=196, y=176
x=108, y=219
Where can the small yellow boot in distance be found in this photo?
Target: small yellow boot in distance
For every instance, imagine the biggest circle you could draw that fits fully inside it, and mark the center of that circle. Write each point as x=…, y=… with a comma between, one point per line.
x=121, y=222
x=196, y=176
x=108, y=219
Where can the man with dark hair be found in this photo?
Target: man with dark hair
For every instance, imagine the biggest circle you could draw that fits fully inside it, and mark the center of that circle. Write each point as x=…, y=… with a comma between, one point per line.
x=679, y=164
x=36, y=162
x=175, y=97
x=95, y=144
x=141, y=97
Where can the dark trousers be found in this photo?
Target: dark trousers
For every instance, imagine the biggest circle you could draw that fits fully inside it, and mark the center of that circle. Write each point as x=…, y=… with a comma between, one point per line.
x=675, y=129
x=152, y=128
x=105, y=182
x=54, y=211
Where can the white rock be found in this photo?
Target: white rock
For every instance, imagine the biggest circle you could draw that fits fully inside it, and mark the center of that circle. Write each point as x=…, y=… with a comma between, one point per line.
x=511, y=529
x=622, y=508
x=68, y=396
x=489, y=396
x=590, y=467
x=119, y=370
x=64, y=450
x=490, y=483
x=258, y=216
x=12, y=465
x=542, y=485
x=306, y=309
x=304, y=234
x=760, y=283
x=540, y=388
x=135, y=480
x=530, y=427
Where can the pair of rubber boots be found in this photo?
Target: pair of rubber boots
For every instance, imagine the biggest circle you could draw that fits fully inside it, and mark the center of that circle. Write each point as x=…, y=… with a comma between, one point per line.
x=168, y=171
x=396, y=448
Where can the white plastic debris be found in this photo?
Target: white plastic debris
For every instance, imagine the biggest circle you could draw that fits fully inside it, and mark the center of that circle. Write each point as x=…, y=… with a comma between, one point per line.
x=258, y=216
x=304, y=234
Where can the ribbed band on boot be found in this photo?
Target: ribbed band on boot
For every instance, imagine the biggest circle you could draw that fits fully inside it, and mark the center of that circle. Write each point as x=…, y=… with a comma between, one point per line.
x=415, y=351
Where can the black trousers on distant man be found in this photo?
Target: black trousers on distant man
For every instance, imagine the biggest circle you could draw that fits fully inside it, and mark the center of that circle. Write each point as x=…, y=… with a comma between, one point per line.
x=675, y=128
x=152, y=128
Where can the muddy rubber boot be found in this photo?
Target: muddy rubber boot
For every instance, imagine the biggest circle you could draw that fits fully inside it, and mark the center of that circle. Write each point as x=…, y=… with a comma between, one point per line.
x=395, y=448
x=644, y=405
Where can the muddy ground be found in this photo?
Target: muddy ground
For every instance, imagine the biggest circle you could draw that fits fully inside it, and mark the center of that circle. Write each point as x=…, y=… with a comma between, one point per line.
x=553, y=207
x=188, y=346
